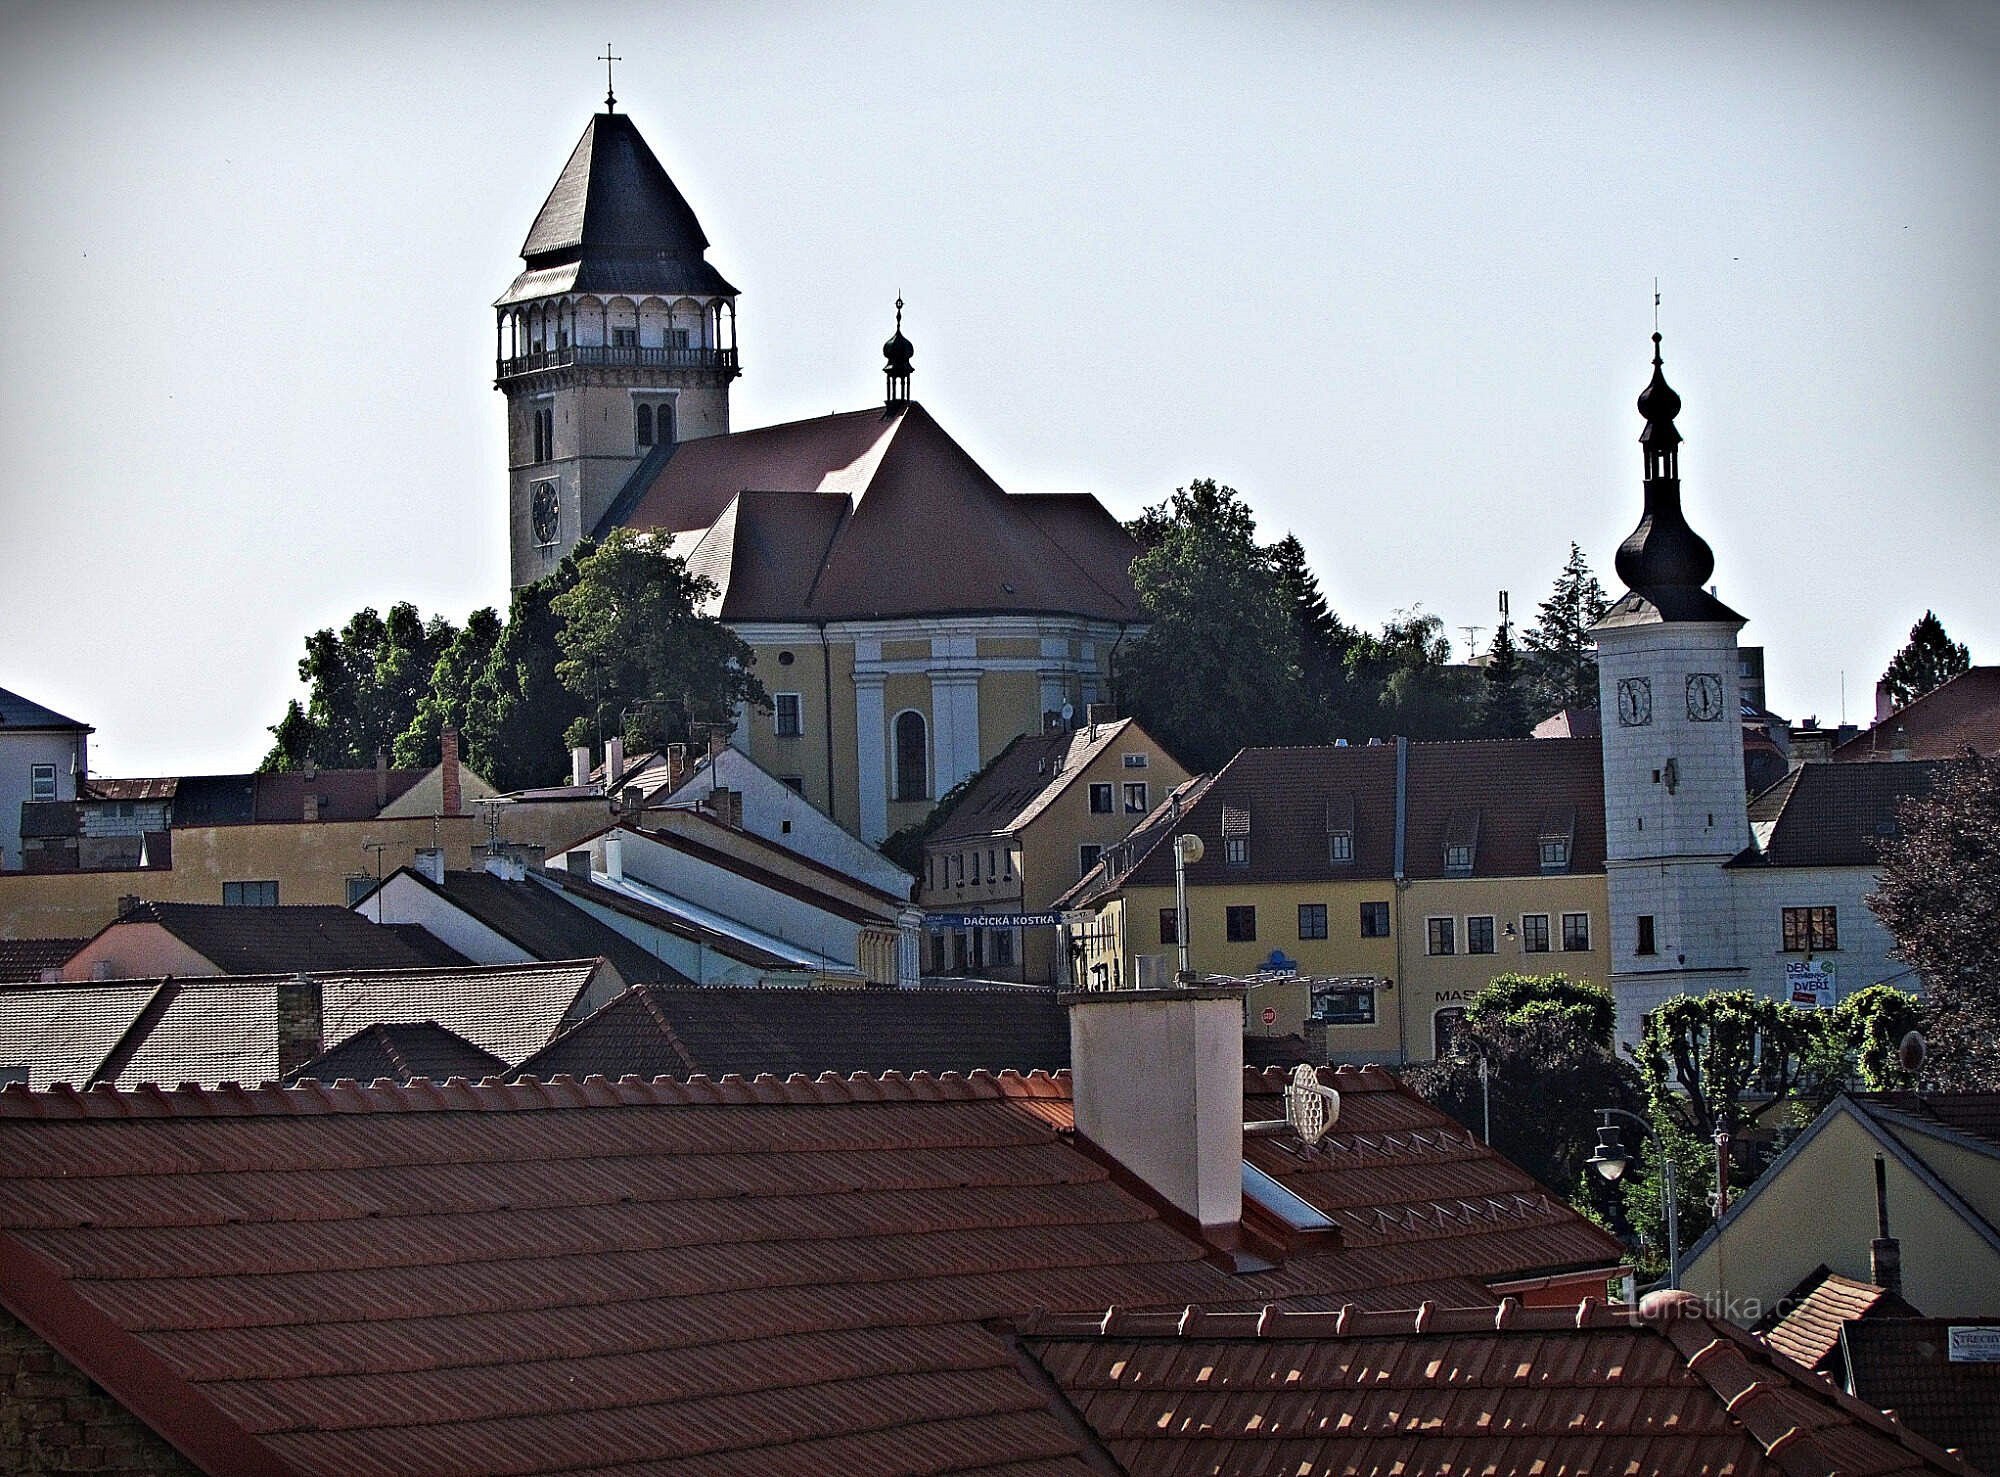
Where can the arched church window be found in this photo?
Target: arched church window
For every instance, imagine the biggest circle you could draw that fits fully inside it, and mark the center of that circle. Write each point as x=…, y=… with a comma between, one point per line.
x=666, y=422
x=912, y=766
x=643, y=415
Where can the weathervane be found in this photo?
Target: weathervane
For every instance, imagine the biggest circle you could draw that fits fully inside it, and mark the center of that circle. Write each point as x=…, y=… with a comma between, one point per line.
x=610, y=98
x=1656, y=291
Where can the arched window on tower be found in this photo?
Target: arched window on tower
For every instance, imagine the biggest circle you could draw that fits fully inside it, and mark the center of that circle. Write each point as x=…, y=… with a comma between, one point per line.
x=912, y=758
x=642, y=416
x=665, y=422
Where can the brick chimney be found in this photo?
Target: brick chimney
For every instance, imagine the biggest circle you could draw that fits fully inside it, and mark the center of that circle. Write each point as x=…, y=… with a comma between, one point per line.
x=381, y=778
x=454, y=799
x=1885, y=1253
x=299, y=1022
x=1157, y=1077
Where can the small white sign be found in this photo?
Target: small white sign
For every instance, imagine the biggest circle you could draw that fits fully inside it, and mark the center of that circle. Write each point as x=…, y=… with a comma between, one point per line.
x=1810, y=982
x=1974, y=1345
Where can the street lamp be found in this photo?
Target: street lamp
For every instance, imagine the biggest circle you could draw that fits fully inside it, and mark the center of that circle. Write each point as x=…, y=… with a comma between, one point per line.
x=1187, y=851
x=1610, y=1160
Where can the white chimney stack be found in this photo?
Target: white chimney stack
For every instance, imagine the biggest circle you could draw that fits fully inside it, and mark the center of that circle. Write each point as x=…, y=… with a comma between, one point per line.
x=614, y=762
x=614, y=856
x=579, y=765
x=1157, y=1079
x=430, y=862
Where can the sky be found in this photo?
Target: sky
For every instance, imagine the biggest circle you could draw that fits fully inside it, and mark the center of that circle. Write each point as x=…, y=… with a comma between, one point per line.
x=1387, y=269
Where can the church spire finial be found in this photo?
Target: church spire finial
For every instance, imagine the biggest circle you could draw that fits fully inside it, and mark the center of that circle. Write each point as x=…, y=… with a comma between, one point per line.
x=1663, y=552
x=610, y=98
x=898, y=353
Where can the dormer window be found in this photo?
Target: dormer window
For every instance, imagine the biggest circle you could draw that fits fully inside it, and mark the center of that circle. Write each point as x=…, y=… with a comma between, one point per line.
x=1236, y=835
x=1340, y=830
x=1461, y=842
x=1557, y=832
x=1555, y=856
x=1339, y=847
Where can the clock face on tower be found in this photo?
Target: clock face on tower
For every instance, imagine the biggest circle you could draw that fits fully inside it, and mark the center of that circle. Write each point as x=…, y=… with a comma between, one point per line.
x=1704, y=697
x=545, y=512
x=1635, y=702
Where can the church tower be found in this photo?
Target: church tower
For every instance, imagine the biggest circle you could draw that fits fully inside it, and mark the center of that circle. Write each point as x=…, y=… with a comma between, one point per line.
x=1673, y=746
x=616, y=342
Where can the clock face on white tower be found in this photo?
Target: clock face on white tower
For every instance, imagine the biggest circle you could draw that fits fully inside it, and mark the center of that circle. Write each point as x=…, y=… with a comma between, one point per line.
x=1635, y=702
x=1704, y=694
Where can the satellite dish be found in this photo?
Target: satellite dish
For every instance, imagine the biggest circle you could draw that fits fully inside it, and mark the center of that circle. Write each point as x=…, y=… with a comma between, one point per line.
x=1068, y=712
x=1310, y=1108
x=1190, y=848
x=1910, y=1051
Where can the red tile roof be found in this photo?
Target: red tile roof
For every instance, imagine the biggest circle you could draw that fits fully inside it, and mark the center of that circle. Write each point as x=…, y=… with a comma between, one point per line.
x=1809, y=1333
x=596, y=1276
x=813, y=521
x=25, y=959
x=1974, y=1114
x=1962, y=711
x=1905, y=1365
x=1591, y=1389
x=1024, y=780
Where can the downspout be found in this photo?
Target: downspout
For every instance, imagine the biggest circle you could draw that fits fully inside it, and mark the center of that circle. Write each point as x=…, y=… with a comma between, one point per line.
x=1402, y=882
x=826, y=688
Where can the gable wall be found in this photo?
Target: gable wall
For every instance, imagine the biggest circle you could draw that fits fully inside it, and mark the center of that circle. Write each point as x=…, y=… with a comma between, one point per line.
x=57, y=1422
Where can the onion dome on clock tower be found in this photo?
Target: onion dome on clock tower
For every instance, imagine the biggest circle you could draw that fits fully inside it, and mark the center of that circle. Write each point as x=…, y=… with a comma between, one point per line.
x=1664, y=563
x=896, y=357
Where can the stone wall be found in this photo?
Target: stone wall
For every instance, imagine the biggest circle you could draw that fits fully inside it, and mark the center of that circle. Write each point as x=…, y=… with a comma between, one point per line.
x=56, y=1422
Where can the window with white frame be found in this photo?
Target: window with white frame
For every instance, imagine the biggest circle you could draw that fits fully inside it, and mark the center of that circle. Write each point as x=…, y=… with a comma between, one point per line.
x=1576, y=933
x=788, y=717
x=1340, y=847
x=1135, y=761
x=1100, y=799
x=250, y=894
x=1535, y=933
x=1135, y=797
x=1479, y=935
x=1441, y=935
x=1086, y=858
x=42, y=782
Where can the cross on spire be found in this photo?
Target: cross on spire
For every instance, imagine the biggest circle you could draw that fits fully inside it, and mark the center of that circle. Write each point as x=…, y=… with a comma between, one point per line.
x=610, y=98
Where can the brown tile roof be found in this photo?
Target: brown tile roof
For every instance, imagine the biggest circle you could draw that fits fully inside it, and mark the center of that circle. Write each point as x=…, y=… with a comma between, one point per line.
x=814, y=520
x=1808, y=1332
x=94, y=788
x=400, y=1052
x=1121, y=862
x=1589, y=1389
x=1500, y=792
x=596, y=1276
x=1904, y=1365
x=64, y=1033
x=1570, y=723
x=1834, y=815
x=1974, y=1114
x=25, y=959
x=1962, y=711
x=750, y=1029
x=283, y=940
x=1025, y=779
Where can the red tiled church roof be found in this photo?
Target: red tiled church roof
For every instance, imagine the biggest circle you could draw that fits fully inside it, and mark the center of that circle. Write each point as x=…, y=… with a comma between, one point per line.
x=596, y=1276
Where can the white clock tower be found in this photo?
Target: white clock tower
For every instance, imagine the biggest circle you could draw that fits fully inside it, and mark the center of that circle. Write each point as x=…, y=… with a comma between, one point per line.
x=1675, y=808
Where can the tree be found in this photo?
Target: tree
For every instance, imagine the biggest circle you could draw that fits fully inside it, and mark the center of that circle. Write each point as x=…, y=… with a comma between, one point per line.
x=1407, y=668
x=1701, y=1056
x=1323, y=641
x=1938, y=894
x=1547, y=1042
x=444, y=706
x=364, y=684
x=1215, y=669
x=639, y=653
x=1562, y=656
x=516, y=709
x=1930, y=659
x=1503, y=704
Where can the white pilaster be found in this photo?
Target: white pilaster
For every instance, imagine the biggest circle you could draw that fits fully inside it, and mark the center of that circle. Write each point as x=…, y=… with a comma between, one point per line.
x=954, y=727
x=871, y=757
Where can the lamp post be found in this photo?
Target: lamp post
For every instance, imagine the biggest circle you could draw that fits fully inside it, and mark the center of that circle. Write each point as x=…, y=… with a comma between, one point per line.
x=1610, y=1160
x=1187, y=851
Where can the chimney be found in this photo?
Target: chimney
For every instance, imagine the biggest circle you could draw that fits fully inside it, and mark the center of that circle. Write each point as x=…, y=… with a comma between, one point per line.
x=129, y=904
x=430, y=862
x=299, y=1024
x=577, y=864
x=1885, y=1253
x=1885, y=706
x=454, y=799
x=1096, y=713
x=579, y=765
x=614, y=762
x=309, y=808
x=1157, y=1078
x=381, y=778
x=614, y=856
x=1899, y=743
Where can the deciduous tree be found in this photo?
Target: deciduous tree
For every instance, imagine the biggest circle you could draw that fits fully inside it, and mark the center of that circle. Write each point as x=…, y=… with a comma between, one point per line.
x=364, y=684
x=1939, y=896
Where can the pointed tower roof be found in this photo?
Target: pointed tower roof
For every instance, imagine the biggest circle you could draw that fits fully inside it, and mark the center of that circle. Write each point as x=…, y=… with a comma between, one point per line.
x=615, y=222
x=1663, y=561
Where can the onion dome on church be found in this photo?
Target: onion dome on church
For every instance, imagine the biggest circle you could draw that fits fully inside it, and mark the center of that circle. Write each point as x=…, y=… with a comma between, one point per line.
x=1665, y=564
x=897, y=354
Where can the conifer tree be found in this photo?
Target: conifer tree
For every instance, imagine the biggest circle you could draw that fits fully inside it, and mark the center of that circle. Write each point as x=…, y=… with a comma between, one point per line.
x=1503, y=705
x=1930, y=659
x=1562, y=657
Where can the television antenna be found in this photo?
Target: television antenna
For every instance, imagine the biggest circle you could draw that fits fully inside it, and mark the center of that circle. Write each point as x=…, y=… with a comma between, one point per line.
x=1471, y=640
